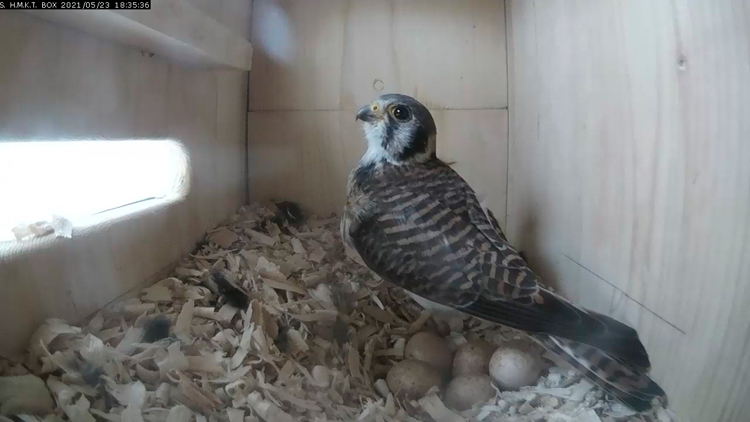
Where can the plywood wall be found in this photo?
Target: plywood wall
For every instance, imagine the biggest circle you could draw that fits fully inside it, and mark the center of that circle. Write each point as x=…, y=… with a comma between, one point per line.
x=234, y=14
x=629, y=182
x=317, y=61
x=58, y=83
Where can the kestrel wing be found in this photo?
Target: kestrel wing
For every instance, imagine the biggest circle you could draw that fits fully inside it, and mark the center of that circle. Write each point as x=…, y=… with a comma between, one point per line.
x=435, y=241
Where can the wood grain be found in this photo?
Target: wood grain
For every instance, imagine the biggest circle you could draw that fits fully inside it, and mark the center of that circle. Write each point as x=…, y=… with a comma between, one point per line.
x=476, y=141
x=303, y=156
x=235, y=15
x=58, y=84
x=628, y=179
x=317, y=61
x=306, y=156
x=173, y=28
x=447, y=54
x=337, y=55
x=298, y=54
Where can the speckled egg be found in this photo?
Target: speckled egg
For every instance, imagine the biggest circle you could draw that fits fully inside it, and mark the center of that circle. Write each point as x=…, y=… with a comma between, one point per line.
x=473, y=358
x=465, y=391
x=429, y=347
x=515, y=364
x=412, y=378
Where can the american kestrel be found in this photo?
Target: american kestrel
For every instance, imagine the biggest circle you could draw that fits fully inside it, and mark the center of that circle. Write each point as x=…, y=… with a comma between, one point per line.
x=416, y=223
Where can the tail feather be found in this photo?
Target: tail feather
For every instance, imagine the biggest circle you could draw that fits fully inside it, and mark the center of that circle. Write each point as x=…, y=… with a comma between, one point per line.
x=627, y=384
x=642, y=364
x=558, y=317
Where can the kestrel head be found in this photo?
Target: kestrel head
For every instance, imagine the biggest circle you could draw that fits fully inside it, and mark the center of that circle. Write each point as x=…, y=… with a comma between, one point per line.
x=398, y=129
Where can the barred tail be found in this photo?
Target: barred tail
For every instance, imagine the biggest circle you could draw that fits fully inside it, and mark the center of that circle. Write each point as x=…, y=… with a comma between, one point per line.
x=626, y=383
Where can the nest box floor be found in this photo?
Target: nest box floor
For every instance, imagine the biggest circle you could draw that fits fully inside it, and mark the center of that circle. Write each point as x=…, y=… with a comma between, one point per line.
x=268, y=320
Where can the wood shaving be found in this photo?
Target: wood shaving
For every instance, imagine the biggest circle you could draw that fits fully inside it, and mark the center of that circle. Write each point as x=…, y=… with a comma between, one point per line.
x=223, y=237
x=24, y=394
x=437, y=410
x=182, y=327
x=60, y=226
x=314, y=343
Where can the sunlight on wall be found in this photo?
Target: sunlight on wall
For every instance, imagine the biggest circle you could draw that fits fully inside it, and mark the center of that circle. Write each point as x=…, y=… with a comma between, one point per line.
x=79, y=179
x=275, y=34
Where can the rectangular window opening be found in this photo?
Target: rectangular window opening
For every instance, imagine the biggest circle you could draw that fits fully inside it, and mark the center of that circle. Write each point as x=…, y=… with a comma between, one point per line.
x=84, y=181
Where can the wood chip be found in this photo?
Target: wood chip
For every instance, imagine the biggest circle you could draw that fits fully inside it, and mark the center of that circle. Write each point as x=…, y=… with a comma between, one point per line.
x=437, y=410
x=182, y=326
x=354, y=362
x=204, y=364
x=315, y=343
x=323, y=315
x=317, y=255
x=298, y=247
x=179, y=413
x=379, y=314
x=297, y=344
x=25, y=394
x=223, y=237
x=283, y=285
x=236, y=415
x=268, y=411
x=261, y=238
x=157, y=293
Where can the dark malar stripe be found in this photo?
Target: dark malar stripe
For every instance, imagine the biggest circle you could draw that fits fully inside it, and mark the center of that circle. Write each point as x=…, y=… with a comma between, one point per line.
x=417, y=146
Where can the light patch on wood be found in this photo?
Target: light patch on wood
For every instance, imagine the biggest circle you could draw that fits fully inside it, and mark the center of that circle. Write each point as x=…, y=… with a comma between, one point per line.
x=628, y=184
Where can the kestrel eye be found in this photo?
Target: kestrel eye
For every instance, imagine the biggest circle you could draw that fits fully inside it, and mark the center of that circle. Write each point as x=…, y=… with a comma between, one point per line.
x=401, y=113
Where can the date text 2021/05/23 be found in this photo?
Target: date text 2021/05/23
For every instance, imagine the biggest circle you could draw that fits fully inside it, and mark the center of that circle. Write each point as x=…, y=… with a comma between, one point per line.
x=80, y=5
